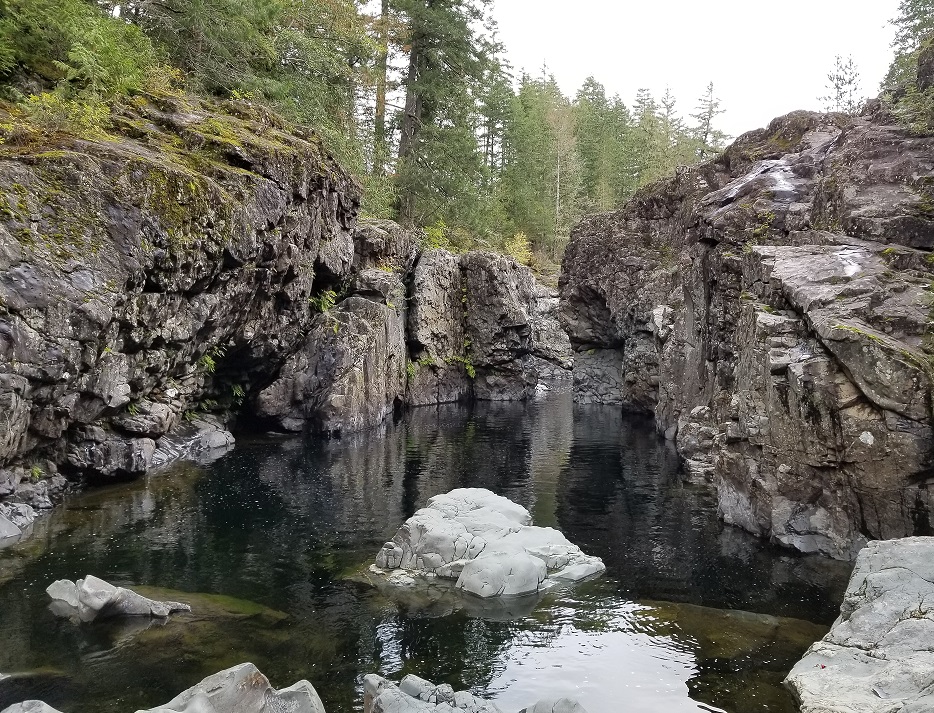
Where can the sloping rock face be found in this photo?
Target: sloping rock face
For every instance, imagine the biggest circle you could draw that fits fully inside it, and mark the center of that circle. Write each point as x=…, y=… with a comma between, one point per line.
x=877, y=657
x=163, y=271
x=771, y=309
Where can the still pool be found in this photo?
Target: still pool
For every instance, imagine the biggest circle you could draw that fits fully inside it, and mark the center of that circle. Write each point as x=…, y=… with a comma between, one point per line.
x=690, y=615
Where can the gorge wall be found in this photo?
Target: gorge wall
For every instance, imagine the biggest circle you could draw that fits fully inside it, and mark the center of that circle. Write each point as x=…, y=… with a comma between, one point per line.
x=771, y=308
x=203, y=263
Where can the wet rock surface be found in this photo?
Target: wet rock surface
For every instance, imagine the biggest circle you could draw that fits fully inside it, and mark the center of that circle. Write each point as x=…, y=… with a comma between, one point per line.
x=877, y=656
x=770, y=308
x=485, y=543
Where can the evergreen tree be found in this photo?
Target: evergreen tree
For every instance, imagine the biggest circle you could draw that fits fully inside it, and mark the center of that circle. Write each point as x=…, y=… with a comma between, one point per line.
x=439, y=169
x=709, y=140
x=913, y=24
x=843, y=87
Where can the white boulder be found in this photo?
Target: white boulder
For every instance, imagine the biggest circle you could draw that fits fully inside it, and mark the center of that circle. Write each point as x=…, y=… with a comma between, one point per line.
x=486, y=543
x=92, y=598
x=242, y=689
x=878, y=656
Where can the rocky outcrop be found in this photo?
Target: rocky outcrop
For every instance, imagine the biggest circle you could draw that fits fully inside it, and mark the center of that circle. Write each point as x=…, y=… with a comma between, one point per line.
x=203, y=263
x=418, y=327
x=92, y=598
x=771, y=309
x=240, y=688
x=877, y=657
x=416, y=695
x=157, y=273
x=485, y=544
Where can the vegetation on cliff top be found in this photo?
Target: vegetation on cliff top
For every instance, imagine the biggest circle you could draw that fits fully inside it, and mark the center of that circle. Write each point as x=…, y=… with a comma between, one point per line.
x=413, y=96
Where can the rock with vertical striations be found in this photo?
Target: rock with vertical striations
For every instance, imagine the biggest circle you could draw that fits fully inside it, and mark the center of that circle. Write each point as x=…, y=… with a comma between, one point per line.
x=769, y=308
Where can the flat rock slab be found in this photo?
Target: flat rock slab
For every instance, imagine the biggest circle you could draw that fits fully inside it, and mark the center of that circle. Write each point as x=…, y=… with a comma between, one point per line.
x=92, y=598
x=879, y=655
x=486, y=543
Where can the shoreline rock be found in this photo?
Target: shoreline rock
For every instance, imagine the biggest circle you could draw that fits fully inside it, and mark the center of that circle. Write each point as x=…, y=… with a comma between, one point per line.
x=241, y=688
x=483, y=542
x=877, y=657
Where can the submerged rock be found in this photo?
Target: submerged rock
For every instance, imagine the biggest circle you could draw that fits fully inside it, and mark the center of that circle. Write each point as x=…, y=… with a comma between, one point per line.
x=561, y=705
x=92, y=598
x=877, y=657
x=486, y=543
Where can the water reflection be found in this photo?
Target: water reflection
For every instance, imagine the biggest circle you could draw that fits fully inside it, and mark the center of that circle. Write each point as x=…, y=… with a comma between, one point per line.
x=283, y=522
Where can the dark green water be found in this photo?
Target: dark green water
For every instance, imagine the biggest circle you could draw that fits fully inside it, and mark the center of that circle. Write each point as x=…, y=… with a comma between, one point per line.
x=690, y=616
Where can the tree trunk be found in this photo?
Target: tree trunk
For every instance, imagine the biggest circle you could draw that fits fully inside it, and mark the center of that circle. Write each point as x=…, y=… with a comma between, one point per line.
x=411, y=123
x=380, y=140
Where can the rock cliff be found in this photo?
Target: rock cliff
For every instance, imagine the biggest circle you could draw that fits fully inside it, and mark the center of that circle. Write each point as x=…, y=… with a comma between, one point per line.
x=771, y=308
x=204, y=262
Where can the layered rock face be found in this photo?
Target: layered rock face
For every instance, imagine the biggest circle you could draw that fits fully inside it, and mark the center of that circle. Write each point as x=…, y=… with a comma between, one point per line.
x=771, y=309
x=204, y=262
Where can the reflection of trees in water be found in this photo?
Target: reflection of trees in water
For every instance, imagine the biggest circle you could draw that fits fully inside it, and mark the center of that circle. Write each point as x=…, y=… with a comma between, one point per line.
x=622, y=498
x=280, y=522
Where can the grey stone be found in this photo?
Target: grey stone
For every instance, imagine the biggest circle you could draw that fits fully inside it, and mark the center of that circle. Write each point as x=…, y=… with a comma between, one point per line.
x=877, y=657
x=416, y=695
x=483, y=542
x=242, y=689
x=92, y=598
x=30, y=707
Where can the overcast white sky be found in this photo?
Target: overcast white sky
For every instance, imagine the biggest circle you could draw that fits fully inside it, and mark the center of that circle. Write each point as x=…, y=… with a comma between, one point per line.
x=765, y=58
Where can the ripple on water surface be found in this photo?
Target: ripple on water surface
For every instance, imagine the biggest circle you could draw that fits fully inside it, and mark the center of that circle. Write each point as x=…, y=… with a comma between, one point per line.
x=690, y=616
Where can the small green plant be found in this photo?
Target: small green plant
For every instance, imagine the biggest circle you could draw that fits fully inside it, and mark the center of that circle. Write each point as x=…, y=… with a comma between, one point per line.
x=133, y=409
x=189, y=416
x=324, y=302
x=207, y=363
x=411, y=370
x=466, y=363
x=520, y=248
x=36, y=474
x=238, y=394
x=54, y=113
